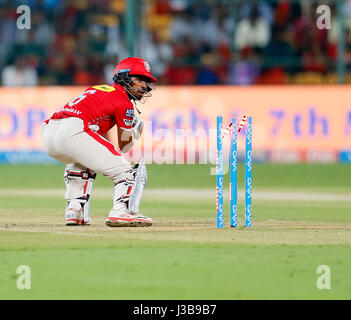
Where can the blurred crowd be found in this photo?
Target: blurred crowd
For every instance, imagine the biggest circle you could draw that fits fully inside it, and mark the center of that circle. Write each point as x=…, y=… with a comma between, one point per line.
x=79, y=42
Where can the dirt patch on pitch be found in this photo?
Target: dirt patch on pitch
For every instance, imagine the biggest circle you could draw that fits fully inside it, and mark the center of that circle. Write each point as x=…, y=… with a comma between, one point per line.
x=187, y=230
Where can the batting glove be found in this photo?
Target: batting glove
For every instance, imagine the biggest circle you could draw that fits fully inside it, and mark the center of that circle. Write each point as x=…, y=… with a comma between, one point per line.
x=137, y=126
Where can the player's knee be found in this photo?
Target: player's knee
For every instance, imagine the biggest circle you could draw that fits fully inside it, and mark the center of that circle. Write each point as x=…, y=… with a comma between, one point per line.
x=121, y=172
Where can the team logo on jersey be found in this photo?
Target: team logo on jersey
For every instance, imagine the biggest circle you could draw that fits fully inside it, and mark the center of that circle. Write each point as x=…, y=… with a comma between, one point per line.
x=130, y=113
x=147, y=67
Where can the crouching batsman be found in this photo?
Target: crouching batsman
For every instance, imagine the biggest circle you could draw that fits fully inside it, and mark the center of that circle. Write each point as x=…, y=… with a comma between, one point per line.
x=75, y=133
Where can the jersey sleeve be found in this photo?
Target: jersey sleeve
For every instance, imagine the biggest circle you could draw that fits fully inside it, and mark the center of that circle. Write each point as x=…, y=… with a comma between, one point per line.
x=124, y=118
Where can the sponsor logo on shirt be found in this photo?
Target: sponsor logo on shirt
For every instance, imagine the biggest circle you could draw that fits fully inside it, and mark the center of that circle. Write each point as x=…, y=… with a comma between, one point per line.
x=128, y=122
x=130, y=113
x=105, y=88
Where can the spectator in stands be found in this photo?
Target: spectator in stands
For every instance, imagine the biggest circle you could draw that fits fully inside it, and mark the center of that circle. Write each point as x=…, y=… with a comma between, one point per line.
x=314, y=59
x=58, y=71
x=209, y=33
x=304, y=30
x=81, y=75
x=44, y=33
x=265, y=10
x=206, y=74
x=184, y=25
x=253, y=32
x=334, y=32
x=21, y=73
x=7, y=34
x=178, y=5
x=310, y=42
x=246, y=69
x=109, y=68
x=76, y=42
x=279, y=53
x=158, y=53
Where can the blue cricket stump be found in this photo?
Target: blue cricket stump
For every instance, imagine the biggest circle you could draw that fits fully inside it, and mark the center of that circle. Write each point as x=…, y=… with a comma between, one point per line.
x=219, y=173
x=234, y=175
x=248, y=173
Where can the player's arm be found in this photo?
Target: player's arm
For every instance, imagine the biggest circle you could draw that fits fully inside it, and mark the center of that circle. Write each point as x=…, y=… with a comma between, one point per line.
x=125, y=139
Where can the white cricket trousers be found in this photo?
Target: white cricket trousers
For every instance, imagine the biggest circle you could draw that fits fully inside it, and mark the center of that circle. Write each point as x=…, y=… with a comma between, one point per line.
x=68, y=141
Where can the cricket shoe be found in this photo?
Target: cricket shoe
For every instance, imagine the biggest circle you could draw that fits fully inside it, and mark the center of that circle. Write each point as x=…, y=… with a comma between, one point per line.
x=127, y=219
x=74, y=214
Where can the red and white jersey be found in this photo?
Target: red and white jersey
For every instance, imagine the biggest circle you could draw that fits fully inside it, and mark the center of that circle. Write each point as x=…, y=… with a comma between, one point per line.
x=101, y=105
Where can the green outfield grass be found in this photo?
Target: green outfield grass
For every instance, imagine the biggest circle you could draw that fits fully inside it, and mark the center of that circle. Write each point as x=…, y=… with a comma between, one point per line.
x=316, y=176
x=183, y=256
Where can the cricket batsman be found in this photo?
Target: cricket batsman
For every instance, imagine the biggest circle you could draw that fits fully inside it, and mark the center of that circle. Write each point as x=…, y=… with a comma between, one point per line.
x=75, y=133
